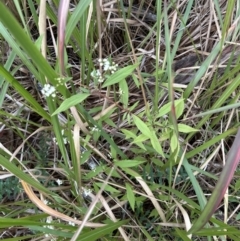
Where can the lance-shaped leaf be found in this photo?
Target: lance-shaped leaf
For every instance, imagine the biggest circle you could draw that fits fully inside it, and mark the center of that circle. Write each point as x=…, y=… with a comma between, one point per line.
x=222, y=185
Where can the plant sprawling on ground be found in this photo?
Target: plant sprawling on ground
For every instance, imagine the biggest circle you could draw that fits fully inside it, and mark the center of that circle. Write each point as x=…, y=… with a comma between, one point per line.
x=119, y=120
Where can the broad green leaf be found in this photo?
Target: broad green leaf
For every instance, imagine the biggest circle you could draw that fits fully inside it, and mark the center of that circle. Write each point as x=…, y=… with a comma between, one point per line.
x=139, y=139
x=91, y=174
x=141, y=145
x=141, y=126
x=155, y=143
x=136, y=81
x=119, y=75
x=167, y=107
x=128, y=163
x=179, y=108
x=128, y=134
x=72, y=101
x=185, y=129
x=130, y=196
x=131, y=172
x=173, y=142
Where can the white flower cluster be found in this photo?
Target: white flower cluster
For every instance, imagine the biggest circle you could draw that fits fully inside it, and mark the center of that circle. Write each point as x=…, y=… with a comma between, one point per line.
x=60, y=81
x=95, y=129
x=48, y=220
x=86, y=192
x=72, y=223
x=97, y=75
x=59, y=182
x=108, y=67
x=48, y=90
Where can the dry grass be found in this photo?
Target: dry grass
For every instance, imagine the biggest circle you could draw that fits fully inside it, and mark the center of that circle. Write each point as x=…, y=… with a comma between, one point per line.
x=203, y=31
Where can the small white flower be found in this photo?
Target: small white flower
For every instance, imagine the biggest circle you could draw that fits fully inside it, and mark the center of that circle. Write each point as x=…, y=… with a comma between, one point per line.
x=65, y=140
x=45, y=201
x=48, y=90
x=55, y=140
x=98, y=73
x=120, y=91
x=92, y=165
x=100, y=79
x=71, y=223
x=86, y=192
x=59, y=182
x=60, y=80
x=49, y=219
x=94, y=128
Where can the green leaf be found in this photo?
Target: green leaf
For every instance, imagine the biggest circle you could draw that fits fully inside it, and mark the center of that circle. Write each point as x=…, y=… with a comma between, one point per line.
x=119, y=75
x=173, y=142
x=141, y=126
x=155, y=143
x=24, y=93
x=167, y=108
x=39, y=42
x=75, y=17
x=128, y=134
x=179, y=107
x=185, y=129
x=123, y=87
x=26, y=43
x=139, y=139
x=107, y=188
x=100, y=232
x=183, y=235
x=128, y=163
x=22, y=175
x=237, y=185
x=130, y=196
x=72, y=101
